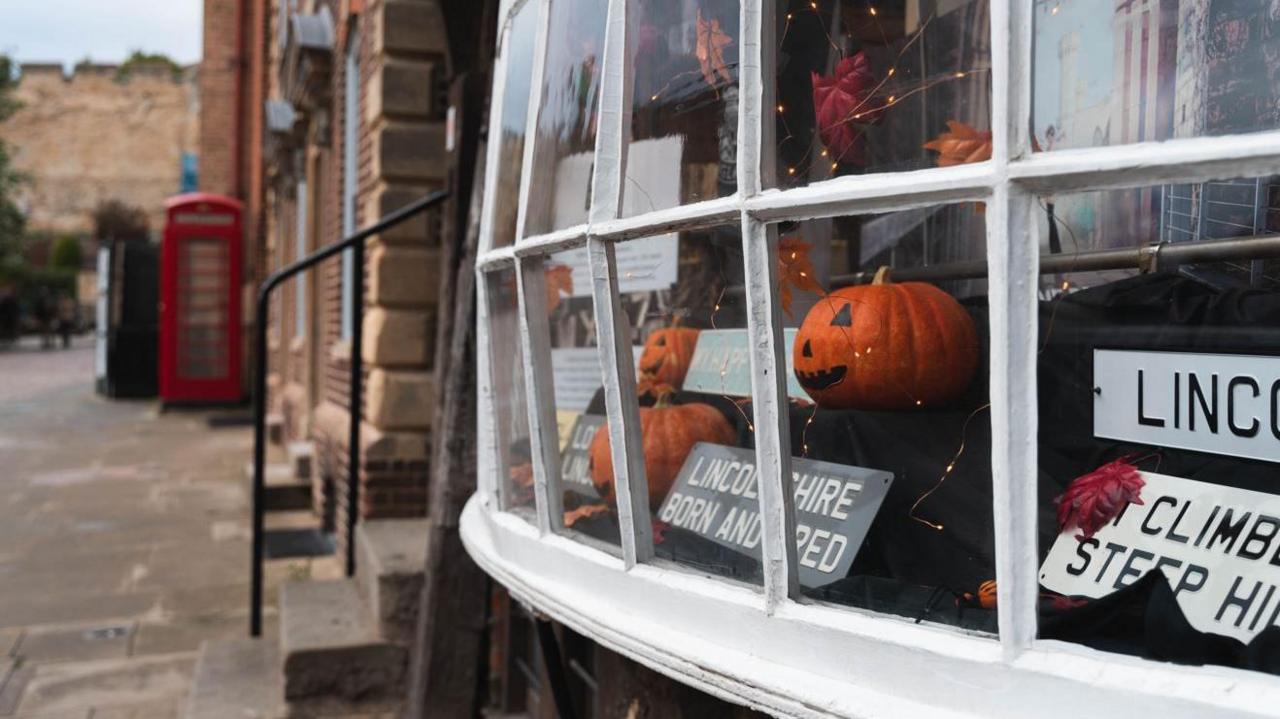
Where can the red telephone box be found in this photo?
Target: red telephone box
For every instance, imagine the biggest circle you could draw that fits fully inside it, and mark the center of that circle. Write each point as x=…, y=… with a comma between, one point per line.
x=200, y=299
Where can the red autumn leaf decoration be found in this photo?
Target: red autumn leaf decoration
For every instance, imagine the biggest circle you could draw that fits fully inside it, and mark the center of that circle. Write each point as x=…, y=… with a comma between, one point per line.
x=712, y=40
x=559, y=282
x=795, y=270
x=1096, y=498
x=841, y=101
x=586, y=511
x=660, y=531
x=962, y=144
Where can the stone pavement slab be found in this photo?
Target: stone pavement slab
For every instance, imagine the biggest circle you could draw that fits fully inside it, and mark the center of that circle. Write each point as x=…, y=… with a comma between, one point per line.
x=77, y=642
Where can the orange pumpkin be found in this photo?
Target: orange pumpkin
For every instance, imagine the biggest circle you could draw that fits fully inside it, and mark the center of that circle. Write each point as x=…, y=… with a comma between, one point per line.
x=987, y=594
x=666, y=356
x=885, y=346
x=668, y=434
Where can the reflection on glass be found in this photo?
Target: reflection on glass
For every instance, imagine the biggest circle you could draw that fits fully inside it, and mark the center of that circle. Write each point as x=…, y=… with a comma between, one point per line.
x=563, y=152
x=889, y=413
x=878, y=87
x=515, y=110
x=1110, y=73
x=1159, y=429
x=684, y=123
x=506, y=358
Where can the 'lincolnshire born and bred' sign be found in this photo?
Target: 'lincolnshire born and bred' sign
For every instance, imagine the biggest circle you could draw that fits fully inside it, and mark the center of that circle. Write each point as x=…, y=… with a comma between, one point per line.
x=575, y=460
x=1218, y=546
x=715, y=496
x=1218, y=403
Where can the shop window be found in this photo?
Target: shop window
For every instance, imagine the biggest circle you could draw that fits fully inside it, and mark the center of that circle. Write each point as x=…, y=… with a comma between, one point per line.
x=559, y=191
x=1158, y=386
x=684, y=117
x=1109, y=73
x=511, y=417
x=866, y=87
x=889, y=412
x=517, y=49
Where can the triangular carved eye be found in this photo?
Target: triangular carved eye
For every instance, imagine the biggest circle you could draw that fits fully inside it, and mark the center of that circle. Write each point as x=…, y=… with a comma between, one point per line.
x=843, y=318
x=806, y=351
x=661, y=341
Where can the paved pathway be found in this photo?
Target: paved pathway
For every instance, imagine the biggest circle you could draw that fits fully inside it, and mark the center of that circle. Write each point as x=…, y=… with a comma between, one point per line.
x=123, y=543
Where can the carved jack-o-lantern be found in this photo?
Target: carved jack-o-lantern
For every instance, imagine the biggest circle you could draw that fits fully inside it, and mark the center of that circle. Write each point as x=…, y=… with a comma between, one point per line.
x=666, y=356
x=885, y=346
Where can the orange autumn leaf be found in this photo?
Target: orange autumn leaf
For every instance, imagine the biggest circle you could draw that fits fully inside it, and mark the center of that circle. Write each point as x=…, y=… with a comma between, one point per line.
x=559, y=282
x=795, y=270
x=712, y=40
x=962, y=144
x=586, y=511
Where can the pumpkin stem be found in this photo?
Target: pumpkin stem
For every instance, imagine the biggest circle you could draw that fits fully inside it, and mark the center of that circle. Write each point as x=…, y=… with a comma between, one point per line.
x=882, y=275
x=663, y=393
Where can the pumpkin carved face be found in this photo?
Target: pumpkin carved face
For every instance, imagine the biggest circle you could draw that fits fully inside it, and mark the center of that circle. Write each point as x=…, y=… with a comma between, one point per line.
x=668, y=434
x=666, y=356
x=885, y=347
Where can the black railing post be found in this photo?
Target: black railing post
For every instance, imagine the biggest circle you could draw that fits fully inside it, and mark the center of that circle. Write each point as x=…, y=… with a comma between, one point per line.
x=259, y=457
x=553, y=662
x=274, y=280
x=355, y=399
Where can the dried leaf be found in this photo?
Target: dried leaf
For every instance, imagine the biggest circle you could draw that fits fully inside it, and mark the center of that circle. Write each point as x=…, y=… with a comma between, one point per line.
x=842, y=101
x=712, y=40
x=962, y=144
x=586, y=511
x=795, y=270
x=1096, y=498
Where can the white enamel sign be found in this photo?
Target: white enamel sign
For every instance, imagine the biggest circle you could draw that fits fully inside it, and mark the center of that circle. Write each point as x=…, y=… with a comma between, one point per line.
x=1216, y=403
x=1218, y=546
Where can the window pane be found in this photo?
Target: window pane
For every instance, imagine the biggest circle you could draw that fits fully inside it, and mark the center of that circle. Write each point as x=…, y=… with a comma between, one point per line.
x=563, y=153
x=890, y=418
x=515, y=111
x=684, y=122
x=881, y=87
x=1159, y=385
x=683, y=297
x=506, y=360
x=579, y=397
x=1110, y=73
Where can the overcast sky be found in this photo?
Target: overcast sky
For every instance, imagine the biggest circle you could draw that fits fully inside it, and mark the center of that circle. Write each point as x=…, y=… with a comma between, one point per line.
x=68, y=31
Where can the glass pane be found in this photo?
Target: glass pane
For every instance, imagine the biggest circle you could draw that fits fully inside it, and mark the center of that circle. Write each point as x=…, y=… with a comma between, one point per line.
x=515, y=112
x=1159, y=385
x=890, y=86
x=579, y=394
x=683, y=297
x=1110, y=73
x=684, y=122
x=506, y=359
x=890, y=418
x=202, y=308
x=564, y=149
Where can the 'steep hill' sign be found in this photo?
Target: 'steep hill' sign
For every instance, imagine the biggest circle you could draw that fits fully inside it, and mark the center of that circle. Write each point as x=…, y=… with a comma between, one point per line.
x=716, y=496
x=1219, y=547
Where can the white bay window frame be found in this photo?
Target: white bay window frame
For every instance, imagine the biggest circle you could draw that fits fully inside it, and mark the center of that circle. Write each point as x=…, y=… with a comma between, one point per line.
x=769, y=648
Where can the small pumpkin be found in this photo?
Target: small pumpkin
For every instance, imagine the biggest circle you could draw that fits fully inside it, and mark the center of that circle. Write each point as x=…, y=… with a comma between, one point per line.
x=885, y=346
x=668, y=433
x=666, y=356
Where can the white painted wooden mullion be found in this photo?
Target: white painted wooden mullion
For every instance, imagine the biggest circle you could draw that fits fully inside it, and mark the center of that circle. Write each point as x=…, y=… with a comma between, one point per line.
x=764, y=323
x=766, y=348
x=874, y=193
x=1012, y=257
x=531, y=121
x=492, y=491
x=497, y=99
x=1150, y=163
x=544, y=435
x=613, y=333
x=614, y=126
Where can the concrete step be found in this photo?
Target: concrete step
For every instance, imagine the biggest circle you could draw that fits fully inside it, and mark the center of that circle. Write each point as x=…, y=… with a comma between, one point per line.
x=332, y=648
x=389, y=559
x=284, y=492
x=236, y=678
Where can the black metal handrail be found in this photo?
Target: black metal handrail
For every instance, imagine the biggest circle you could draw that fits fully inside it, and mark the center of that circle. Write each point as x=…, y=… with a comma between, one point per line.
x=355, y=243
